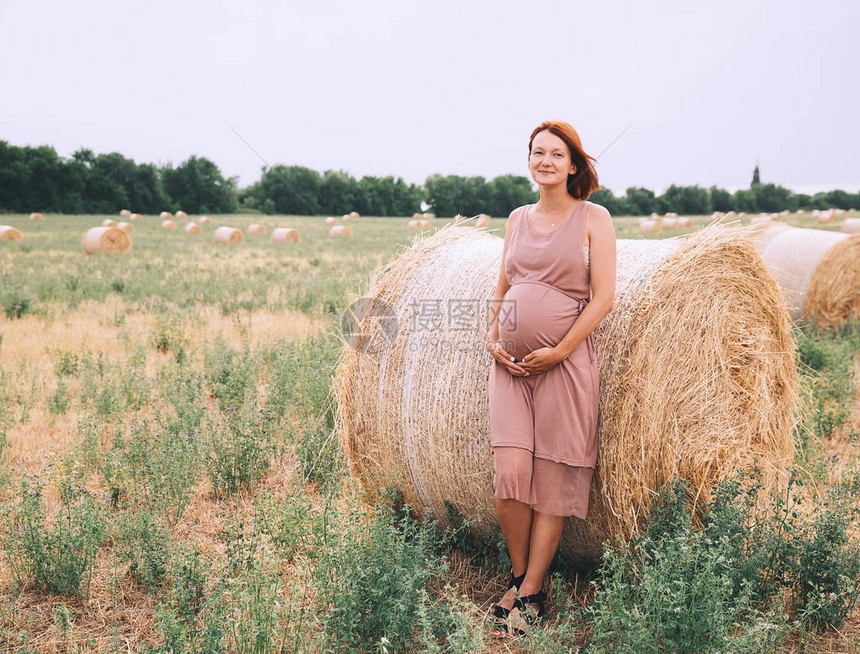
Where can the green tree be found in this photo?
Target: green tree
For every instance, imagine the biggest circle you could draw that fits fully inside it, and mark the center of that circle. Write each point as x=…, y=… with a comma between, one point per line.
x=197, y=186
x=507, y=192
x=291, y=189
x=685, y=200
x=721, y=199
x=770, y=197
x=337, y=193
x=641, y=201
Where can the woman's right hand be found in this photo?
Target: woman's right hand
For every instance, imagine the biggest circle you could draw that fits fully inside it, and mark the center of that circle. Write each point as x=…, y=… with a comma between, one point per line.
x=506, y=359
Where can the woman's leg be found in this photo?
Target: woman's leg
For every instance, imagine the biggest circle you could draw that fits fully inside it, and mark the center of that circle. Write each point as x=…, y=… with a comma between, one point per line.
x=512, y=484
x=545, y=536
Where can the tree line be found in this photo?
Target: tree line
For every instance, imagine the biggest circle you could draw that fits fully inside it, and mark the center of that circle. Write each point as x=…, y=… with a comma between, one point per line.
x=37, y=179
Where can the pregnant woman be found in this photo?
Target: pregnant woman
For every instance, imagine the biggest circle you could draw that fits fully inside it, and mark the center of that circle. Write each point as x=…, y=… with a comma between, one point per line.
x=556, y=283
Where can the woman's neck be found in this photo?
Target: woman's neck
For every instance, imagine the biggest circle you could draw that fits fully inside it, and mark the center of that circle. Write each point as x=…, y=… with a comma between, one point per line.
x=554, y=199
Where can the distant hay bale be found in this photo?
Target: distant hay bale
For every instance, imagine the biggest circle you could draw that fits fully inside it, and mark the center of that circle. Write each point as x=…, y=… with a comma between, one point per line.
x=697, y=379
x=9, y=233
x=109, y=222
x=684, y=221
x=181, y=214
x=851, y=226
x=128, y=228
x=285, y=235
x=483, y=220
x=331, y=221
x=228, y=235
x=204, y=220
x=457, y=219
x=36, y=216
x=649, y=226
x=418, y=224
x=135, y=217
x=354, y=215
x=428, y=216
x=818, y=271
x=760, y=220
x=345, y=216
x=106, y=239
x=125, y=213
x=168, y=224
x=257, y=229
x=340, y=230
x=193, y=228
x=165, y=215
x=669, y=223
x=416, y=216
x=825, y=217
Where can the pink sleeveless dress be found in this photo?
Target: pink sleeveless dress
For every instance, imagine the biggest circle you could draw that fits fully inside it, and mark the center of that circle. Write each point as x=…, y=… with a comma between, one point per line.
x=553, y=415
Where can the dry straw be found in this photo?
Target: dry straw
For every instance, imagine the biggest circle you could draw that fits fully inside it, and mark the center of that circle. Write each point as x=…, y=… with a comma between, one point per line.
x=125, y=213
x=36, y=216
x=181, y=214
x=192, y=228
x=256, y=228
x=109, y=222
x=696, y=368
x=285, y=235
x=9, y=233
x=135, y=216
x=818, y=271
x=228, y=235
x=106, y=239
x=204, y=220
x=164, y=215
x=168, y=224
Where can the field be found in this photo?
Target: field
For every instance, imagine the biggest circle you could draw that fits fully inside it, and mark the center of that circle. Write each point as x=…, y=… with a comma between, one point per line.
x=170, y=479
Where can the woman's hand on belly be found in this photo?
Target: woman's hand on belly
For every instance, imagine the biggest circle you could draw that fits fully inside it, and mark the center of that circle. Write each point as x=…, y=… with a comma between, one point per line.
x=506, y=359
x=541, y=360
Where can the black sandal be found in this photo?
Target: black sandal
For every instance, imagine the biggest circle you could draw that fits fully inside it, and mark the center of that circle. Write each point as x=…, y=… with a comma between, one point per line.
x=529, y=615
x=500, y=613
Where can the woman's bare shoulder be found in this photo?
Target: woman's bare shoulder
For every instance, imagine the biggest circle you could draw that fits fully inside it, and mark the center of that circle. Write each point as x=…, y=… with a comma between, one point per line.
x=597, y=212
x=515, y=215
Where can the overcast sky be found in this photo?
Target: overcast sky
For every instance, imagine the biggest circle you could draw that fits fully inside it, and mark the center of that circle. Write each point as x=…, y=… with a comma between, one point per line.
x=661, y=92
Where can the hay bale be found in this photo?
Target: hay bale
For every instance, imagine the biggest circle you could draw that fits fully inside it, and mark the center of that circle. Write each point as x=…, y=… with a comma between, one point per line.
x=228, y=235
x=696, y=368
x=825, y=217
x=340, y=230
x=165, y=215
x=36, y=216
x=669, y=223
x=193, y=228
x=817, y=271
x=331, y=221
x=417, y=216
x=106, y=239
x=204, y=220
x=649, y=226
x=285, y=235
x=684, y=221
x=135, y=217
x=181, y=214
x=128, y=228
x=125, y=213
x=354, y=215
x=851, y=226
x=108, y=222
x=483, y=220
x=168, y=224
x=256, y=228
x=9, y=233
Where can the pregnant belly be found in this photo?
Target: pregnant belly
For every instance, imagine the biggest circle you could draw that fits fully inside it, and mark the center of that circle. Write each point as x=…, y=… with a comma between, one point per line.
x=534, y=316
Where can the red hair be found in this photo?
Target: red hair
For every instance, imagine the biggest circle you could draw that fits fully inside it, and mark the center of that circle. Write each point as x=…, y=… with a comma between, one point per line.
x=584, y=181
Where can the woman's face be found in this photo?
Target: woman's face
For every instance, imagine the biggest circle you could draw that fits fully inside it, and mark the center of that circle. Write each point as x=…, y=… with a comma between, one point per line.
x=549, y=160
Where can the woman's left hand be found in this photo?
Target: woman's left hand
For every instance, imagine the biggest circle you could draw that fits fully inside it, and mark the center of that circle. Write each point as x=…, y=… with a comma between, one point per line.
x=540, y=360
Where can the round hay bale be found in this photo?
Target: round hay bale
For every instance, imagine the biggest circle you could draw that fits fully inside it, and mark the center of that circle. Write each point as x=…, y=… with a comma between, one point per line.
x=353, y=215
x=168, y=224
x=204, y=220
x=414, y=223
x=851, y=226
x=165, y=215
x=331, y=221
x=684, y=221
x=669, y=223
x=128, y=228
x=125, y=213
x=285, y=235
x=193, y=228
x=181, y=214
x=228, y=235
x=135, y=217
x=649, y=226
x=340, y=230
x=9, y=233
x=483, y=220
x=416, y=216
x=345, y=216
x=825, y=217
x=106, y=239
x=817, y=271
x=256, y=228
x=108, y=222
x=36, y=216
x=696, y=368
